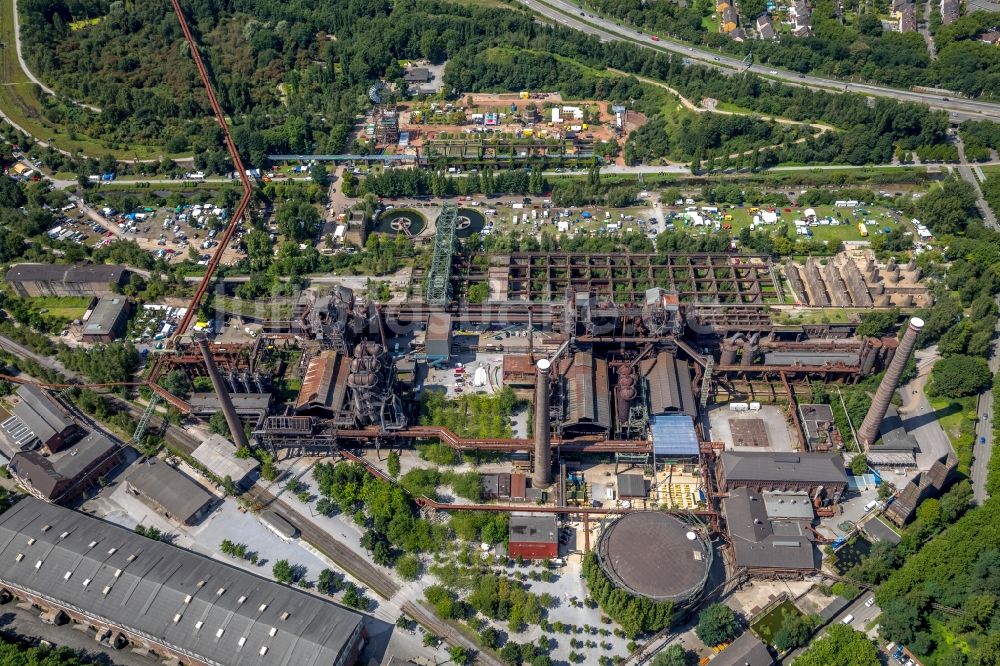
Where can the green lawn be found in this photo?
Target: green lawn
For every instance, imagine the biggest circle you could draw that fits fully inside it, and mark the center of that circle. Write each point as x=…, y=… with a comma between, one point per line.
x=958, y=419
x=20, y=102
x=67, y=308
x=768, y=625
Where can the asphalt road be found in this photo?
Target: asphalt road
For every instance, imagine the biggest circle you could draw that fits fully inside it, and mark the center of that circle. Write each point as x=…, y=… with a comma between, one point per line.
x=569, y=15
x=918, y=415
x=983, y=450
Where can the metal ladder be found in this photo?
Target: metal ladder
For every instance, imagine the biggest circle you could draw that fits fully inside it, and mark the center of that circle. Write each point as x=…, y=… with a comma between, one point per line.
x=706, y=380
x=140, y=428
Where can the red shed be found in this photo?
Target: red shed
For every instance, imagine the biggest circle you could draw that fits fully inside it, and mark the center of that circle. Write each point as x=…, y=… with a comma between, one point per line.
x=533, y=537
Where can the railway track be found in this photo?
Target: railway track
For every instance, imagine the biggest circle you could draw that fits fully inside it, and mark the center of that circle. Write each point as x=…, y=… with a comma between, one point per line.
x=442, y=629
x=354, y=564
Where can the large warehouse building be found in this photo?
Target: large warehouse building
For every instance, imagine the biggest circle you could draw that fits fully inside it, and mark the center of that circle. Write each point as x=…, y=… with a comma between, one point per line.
x=28, y=280
x=183, y=606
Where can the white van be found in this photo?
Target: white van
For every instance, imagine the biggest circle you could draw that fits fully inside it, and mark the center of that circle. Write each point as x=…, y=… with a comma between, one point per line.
x=871, y=505
x=848, y=619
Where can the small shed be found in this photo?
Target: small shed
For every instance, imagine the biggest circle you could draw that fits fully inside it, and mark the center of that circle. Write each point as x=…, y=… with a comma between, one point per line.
x=631, y=486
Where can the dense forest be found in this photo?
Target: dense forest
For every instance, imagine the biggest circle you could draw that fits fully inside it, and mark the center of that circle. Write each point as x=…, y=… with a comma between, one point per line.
x=294, y=76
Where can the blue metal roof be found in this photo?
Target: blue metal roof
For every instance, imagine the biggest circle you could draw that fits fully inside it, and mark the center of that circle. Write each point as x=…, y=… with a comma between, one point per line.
x=674, y=435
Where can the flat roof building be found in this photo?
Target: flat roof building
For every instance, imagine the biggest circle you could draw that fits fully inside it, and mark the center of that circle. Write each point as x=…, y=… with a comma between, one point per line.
x=218, y=455
x=108, y=320
x=437, y=343
x=30, y=280
x=61, y=477
x=763, y=542
x=631, y=485
x=782, y=471
x=168, y=492
x=37, y=420
x=181, y=605
x=533, y=537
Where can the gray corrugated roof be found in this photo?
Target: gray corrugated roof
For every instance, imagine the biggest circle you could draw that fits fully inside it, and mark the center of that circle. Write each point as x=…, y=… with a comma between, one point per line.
x=533, y=529
x=631, y=485
x=757, y=542
x=814, y=468
x=105, y=315
x=83, y=454
x=218, y=455
x=177, y=494
x=243, y=402
x=157, y=593
x=61, y=273
x=747, y=650
x=669, y=385
x=41, y=413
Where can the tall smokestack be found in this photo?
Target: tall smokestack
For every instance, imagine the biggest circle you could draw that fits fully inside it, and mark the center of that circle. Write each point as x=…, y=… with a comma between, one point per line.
x=225, y=401
x=868, y=432
x=543, y=446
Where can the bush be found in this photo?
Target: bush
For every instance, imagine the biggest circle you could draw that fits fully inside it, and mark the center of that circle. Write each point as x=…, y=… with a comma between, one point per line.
x=716, y=624
x=408, y=567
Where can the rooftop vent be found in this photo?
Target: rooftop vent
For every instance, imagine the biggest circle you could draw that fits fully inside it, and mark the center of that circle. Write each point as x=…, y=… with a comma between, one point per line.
x=91, y=544
x=46, y=528
x=112, y=551
x=177, y=618
x=220, y=591
x=107, y=588
x=19, y=557
x=86, y=582
x=219, y=633
x=241, y=599
x=64, y=535
x=262, y=608
x=31, y=541
x=242, y=641
x=38, y=564
x=198, y=624
x=187, y=599
x=273, y=631
x=284, y=615
x=263, y=650
x=67, y=575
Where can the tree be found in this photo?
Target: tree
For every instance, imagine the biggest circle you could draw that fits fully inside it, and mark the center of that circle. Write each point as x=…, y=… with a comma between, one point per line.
x=283, y=572
x=877, y=323
x=716, y=624
x=794, y=632
x=489, y=637
x=459, y=655
x=393, y=464
x=511, y=653
x=859, y=465
x=840, y=646
x=177, y=382
x=408, y=567
x=959, y=375
x=674, y=655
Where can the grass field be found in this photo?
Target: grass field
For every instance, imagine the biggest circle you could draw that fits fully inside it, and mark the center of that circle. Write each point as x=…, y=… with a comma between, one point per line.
x=61, y=307
x=19, y=101
x=958, y=419
x=768, y=625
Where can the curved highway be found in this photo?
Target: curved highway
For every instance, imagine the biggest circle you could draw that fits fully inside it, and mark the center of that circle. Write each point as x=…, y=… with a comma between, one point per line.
x=573, y=16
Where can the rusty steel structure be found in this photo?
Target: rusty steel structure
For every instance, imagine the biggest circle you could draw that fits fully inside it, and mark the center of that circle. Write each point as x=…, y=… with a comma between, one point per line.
x=225, y=400
x=624, y=277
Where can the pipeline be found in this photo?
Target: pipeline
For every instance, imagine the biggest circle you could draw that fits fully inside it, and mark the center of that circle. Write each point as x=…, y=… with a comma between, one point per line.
x=244, y=201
